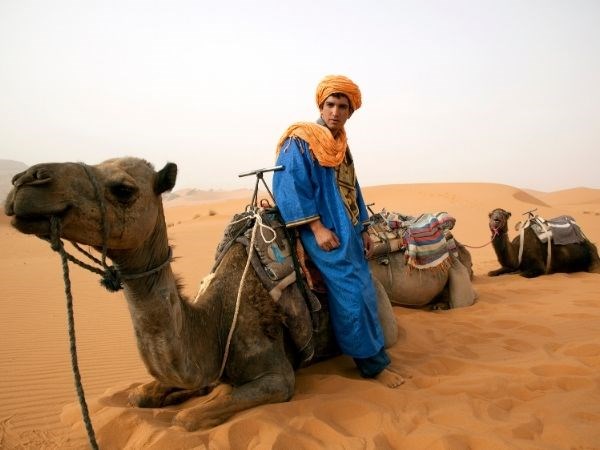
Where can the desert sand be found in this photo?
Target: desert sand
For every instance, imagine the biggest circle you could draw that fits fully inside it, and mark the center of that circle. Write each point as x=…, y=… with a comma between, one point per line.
x=520, y=369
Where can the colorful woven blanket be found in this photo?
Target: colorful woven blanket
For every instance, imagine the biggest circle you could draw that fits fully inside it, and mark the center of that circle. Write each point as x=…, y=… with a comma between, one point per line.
x=426, y=240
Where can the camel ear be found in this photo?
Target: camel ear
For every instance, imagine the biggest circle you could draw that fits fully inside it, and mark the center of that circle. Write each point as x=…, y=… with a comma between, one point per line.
x=165, y=179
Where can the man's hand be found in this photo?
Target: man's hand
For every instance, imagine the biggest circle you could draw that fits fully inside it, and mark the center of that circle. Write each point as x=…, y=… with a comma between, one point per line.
x=326, y=239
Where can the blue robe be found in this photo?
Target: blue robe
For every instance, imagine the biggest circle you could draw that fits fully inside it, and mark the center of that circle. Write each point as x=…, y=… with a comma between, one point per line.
x=303, y=191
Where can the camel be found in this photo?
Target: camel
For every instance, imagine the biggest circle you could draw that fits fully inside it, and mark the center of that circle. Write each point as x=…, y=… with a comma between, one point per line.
x=190, y=348
x=445, y=286
x=427, y=289
x=573, y=257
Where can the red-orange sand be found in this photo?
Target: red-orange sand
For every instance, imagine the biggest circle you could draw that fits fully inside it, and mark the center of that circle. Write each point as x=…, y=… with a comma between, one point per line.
x=518, y=370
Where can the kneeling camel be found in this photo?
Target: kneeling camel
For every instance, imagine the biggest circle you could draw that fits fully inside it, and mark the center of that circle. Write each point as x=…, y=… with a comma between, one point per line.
x=530, y=258
x=189, y=348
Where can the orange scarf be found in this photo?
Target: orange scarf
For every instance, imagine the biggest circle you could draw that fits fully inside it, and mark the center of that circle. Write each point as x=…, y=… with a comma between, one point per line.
x=328, y=151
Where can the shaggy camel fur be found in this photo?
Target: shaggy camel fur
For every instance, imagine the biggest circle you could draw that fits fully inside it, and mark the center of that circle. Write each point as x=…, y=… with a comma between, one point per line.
x=116, y=207
x=582, y=257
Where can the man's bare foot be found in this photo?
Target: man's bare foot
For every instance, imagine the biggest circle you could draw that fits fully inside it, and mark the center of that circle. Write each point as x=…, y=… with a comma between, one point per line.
x=389, y=378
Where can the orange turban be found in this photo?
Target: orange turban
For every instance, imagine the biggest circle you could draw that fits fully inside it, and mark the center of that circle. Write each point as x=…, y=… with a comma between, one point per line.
x=329, y=151
x=338, y=84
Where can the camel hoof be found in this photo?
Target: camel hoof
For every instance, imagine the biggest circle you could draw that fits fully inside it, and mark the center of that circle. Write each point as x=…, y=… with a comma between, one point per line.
x=208, y=411
x=187, y=421
x=194, y=419
x=140, y=399
x=441, y=306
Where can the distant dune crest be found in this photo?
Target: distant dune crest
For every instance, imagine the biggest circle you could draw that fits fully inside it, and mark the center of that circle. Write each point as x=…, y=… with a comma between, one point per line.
x=191, y=195
x=8, y=168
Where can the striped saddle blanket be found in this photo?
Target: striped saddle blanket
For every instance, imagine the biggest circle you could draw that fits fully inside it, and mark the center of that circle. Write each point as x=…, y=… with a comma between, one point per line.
x=426, y=240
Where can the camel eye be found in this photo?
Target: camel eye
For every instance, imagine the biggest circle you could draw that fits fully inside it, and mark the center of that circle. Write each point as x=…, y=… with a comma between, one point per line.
x=124, y=193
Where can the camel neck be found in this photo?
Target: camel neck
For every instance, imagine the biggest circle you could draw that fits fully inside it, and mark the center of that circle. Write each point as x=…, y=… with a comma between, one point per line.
x=505, y=251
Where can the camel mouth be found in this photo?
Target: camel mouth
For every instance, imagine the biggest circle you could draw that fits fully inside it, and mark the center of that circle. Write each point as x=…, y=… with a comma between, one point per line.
x=38, y=224
x=496, y=224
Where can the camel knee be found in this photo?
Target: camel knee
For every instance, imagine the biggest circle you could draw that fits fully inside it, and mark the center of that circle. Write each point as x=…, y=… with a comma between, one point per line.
x=155, y=395
x=149, y=395
x=277, y=388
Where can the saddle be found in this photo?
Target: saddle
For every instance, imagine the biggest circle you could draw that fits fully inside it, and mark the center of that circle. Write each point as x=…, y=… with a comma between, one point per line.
x=279, y=261
x=560, y=230
x=426, y=240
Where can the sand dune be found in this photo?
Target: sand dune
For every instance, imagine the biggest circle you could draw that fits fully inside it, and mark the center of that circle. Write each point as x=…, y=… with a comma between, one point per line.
x=519, y=369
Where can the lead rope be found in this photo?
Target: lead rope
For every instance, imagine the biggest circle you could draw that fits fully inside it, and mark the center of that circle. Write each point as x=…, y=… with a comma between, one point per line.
x=57, y=246
x=258, y=223
x=494, y=234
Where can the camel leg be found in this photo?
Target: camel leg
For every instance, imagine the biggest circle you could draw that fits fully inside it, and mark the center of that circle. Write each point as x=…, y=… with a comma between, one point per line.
x=225, y=401
x=155, y=395
x=501, y=271
x=459, y=281
x=533, y=271
x=386, y=315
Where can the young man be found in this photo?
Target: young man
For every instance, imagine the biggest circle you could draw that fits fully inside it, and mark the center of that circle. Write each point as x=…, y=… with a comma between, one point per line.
x=318, y=193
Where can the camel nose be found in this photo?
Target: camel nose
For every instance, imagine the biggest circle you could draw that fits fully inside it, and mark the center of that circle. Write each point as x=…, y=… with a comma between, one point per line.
x=32, y=176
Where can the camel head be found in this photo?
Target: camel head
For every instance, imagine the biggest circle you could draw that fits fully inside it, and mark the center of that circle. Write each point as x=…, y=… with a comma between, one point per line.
x=122, y=195
x=499, y=221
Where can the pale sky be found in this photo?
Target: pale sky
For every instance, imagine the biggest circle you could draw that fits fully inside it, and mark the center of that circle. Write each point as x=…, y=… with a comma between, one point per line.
x=504, y=91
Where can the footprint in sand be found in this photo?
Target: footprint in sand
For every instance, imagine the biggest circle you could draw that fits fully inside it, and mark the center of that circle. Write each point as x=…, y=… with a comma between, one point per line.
x=585, y=416
x=516, y=345
x=588, y=354
x=500, y=409
x=529, y=430
x=586, y=304
x=577, y=316
x=574, y=383
x=538, y=329
x=505, y=324
x=462, y=351
x=557, y=370
x=443, y=366
x=583, y=350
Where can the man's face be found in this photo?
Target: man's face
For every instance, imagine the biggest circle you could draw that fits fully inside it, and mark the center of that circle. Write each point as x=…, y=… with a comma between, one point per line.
x=334, y=112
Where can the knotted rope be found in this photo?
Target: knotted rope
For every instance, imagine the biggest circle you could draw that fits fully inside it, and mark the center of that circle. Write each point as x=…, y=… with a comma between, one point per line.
x=112, y=277
x=57, y=246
